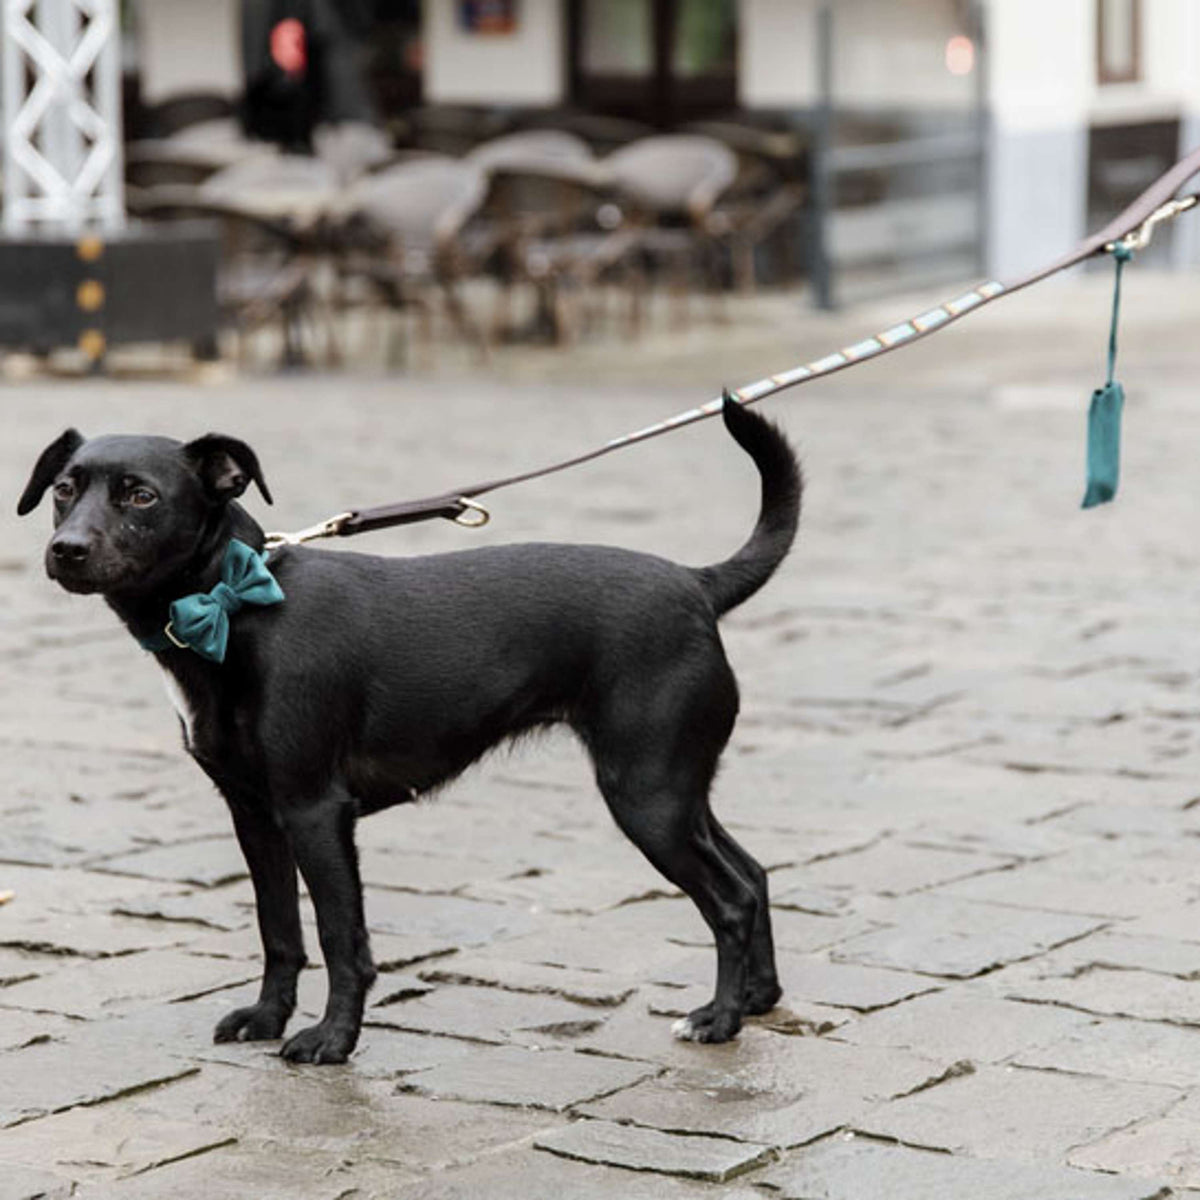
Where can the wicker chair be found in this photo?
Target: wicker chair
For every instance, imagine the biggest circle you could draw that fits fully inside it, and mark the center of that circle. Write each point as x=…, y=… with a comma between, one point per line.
x=352, y=148
x=404, y=230
x=536, y=148
x=271, y=209
x=670, y=184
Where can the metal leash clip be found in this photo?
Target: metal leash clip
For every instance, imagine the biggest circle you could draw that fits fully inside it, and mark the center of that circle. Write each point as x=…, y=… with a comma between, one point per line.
x=323, y=529
x=1139, y=238
x=471, y=514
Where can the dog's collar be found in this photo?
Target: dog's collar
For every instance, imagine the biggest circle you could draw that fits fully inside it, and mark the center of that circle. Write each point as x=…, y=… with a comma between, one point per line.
x=200, y=622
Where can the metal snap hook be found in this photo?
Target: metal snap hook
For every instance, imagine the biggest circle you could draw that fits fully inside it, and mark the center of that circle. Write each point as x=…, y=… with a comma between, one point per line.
x=471, y=515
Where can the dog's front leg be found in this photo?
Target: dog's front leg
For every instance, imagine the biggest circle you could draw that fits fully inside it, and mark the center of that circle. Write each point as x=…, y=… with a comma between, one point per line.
x=273, y=872
x=322, y=839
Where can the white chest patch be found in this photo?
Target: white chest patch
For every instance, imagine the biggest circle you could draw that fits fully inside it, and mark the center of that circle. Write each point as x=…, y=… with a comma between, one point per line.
x=180, y=704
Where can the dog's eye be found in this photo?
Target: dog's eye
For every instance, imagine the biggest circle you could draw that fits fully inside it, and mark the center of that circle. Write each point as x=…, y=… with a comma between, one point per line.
x=141, y=497
x=64, y=490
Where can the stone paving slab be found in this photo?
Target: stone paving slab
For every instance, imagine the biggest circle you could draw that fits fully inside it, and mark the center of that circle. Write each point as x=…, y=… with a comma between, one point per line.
x=93, y=989
x=1167, y=1148
x=86, y=935
x=849, y=985
x=1115, y=947
x=1097, y=879
x=266, y=1172
x=838, y=1169
x=18, y=965
x=67, y=831
x=24, y=1028
x=550, y=1079
x=491, y=1015
x=1011, y=1113
x=1116, y=992
x=1143, y=1051
x=224, y=909
x=83, y=1068
x=449, y=920
x=20, y=1183
x=529, y=1175
x=211, y=862
x=962, y=1024
x=943, y=935
x=99, y=1143
x=1130, y=820
x=583, y=987
x=340, y=1114
x=779, y=1092
x=386, y=1053
x=1179, y=923
x=893, y=868
x=694, y=1157
x=572, y=890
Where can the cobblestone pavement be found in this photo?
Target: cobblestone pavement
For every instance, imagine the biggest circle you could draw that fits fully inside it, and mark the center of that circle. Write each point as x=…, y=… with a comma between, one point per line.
x=968, y=753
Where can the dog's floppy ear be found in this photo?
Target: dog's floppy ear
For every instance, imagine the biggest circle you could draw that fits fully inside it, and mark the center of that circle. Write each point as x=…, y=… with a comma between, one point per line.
x=225, y=466
x=49, y=465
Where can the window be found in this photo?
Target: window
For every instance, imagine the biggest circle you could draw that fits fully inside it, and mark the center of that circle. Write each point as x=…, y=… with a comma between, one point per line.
x=660, y=61
x=1118, y=41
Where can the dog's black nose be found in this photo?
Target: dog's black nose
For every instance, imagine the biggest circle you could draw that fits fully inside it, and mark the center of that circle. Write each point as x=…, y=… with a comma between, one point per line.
x=69, y=550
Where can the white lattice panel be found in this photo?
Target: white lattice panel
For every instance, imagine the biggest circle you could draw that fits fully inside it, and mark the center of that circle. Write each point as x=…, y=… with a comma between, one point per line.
x=62, y=116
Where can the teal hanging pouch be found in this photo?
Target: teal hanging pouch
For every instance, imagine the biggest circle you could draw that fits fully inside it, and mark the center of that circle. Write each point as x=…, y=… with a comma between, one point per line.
x=1104, y=444
x=1104, y=413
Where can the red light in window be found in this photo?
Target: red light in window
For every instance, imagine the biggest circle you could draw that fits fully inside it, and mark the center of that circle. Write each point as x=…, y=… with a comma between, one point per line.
x=288, y=47
x=960, y=55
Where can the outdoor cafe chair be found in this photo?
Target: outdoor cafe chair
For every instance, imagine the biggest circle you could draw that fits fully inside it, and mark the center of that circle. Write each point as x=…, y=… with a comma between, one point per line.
x=270, y=210
x=757, y=210
x=404, y=238
x=190, y=155
x=352, y=148
x=669, y=185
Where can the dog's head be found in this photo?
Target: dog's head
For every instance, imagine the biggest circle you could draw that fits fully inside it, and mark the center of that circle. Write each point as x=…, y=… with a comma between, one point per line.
x=129, y=512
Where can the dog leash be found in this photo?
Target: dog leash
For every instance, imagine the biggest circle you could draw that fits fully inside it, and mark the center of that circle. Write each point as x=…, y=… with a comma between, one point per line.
x=1131, y=231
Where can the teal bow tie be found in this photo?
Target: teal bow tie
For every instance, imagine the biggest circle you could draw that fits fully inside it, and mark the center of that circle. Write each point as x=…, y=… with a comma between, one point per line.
x=200, y=622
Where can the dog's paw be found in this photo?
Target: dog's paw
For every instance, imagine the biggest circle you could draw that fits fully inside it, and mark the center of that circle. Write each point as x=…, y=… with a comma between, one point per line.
x=322, y=1043
x=257, y=1023
x=762, y=997
x=707, y=1024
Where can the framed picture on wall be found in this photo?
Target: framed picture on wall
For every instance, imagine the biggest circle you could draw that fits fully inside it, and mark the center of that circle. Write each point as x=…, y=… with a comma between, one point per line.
x=488, y=16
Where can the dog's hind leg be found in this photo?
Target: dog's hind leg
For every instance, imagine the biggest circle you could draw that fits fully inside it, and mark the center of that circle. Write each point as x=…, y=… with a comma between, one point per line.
x=273, y=872
x=762, y=980
x=655, y=747
x=664, y=825
x=321, y=833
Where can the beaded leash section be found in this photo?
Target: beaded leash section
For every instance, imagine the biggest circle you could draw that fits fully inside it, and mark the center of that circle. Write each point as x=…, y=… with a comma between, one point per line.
x=749, y=393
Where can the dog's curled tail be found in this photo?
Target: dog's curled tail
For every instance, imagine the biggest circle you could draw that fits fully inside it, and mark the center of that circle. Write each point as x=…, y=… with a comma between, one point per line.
x=735, y=580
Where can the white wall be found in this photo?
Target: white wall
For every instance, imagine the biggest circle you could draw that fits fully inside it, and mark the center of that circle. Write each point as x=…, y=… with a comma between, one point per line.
x=525, y=67
x=1044, y=96
x=885, y=53
x=189, y=45
x=777, y=53
x=1042, y=62
x=1170, y=83
x=1041, y=76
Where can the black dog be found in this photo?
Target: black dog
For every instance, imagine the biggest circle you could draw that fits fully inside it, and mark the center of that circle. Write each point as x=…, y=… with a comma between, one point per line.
x=378, y=679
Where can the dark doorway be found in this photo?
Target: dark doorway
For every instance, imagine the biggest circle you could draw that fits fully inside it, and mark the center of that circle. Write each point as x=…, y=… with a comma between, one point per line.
x=658, y=61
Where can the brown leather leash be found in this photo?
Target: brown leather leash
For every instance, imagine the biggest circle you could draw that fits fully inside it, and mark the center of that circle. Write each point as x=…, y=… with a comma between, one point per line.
x=1132, y=229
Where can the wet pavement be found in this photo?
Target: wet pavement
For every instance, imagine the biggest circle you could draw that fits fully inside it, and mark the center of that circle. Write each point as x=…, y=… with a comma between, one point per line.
x=968, y=753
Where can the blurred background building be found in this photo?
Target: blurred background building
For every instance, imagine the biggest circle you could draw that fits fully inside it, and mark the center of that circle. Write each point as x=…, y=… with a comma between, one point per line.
x=902, y=108
x=856, y=145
